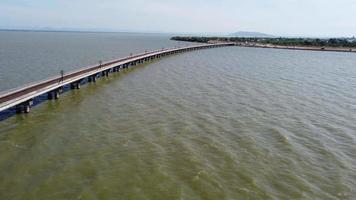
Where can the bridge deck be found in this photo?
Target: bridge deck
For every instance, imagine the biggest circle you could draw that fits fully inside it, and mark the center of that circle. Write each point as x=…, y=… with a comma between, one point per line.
x=27, y=93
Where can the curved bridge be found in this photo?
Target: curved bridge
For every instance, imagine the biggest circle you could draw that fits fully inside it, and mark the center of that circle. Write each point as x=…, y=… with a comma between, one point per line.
x=22, y=98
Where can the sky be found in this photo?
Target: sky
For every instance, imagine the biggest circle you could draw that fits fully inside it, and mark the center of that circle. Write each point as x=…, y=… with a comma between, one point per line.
x=310, y=18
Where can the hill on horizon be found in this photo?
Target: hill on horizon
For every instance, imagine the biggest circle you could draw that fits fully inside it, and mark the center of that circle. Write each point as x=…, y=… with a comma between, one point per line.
x=251, y=34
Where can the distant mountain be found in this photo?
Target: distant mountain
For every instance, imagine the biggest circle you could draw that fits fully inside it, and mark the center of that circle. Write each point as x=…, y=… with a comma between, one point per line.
x=251, y=34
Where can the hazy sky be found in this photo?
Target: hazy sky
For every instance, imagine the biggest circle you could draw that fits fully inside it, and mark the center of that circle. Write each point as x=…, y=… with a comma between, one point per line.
x=279, y=17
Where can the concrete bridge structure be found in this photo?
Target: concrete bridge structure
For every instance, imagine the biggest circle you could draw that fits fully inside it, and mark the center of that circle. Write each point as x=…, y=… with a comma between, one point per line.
x=22, y=98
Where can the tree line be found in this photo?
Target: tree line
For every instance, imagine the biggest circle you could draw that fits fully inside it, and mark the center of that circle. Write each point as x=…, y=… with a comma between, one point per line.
x=312, y=42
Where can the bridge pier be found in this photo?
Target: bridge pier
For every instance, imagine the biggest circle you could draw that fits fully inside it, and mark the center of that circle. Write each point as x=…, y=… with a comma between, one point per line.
x=24, y=107
x=92, y=78
x=105, y=73
x=54, y=94
x=75, y=85
x=50, y=95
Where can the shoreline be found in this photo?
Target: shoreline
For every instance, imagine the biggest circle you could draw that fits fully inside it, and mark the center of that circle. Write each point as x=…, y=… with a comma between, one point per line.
x=301, y=48
x=345, y=45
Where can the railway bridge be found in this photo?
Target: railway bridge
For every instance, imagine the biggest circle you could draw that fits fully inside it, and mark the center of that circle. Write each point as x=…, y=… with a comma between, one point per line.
x=22, y=98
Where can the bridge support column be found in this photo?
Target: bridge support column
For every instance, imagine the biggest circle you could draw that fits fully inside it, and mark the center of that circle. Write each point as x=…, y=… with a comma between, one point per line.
x=54, y=94
x=105, y=73
x=75, y=85
x=92, y=78
x=27, y=108
x=50, y=95
x=24, y=107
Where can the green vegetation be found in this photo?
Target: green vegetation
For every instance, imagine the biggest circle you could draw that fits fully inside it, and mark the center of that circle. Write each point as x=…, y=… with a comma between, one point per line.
x=310, y=42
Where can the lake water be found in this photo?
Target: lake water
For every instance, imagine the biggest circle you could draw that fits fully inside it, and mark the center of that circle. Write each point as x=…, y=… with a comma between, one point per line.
x=223, y=123
x=32, y=56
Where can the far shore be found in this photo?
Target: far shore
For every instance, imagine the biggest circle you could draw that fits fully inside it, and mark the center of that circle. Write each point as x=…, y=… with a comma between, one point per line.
x=307, y=44
x=305, y=48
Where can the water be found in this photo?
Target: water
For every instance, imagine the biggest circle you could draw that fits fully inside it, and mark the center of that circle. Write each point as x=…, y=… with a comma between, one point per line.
x=31, y=56
x=225, y=123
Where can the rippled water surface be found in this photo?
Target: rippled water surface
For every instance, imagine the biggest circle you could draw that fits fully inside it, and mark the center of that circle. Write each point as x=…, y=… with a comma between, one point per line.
x=224, y=123
x=32, y=56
